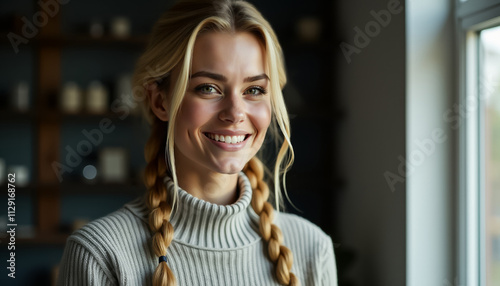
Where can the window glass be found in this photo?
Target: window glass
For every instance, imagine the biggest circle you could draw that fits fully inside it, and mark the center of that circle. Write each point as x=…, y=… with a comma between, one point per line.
x=489, y=84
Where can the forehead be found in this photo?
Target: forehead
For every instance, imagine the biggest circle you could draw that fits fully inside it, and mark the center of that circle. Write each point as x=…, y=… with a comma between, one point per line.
x=228, y=52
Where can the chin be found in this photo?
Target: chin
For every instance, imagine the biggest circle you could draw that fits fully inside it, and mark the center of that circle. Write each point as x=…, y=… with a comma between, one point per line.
x=230, y=169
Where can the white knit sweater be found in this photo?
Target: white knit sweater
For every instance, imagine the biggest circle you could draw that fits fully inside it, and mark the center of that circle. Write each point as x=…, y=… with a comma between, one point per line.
x=213, y=245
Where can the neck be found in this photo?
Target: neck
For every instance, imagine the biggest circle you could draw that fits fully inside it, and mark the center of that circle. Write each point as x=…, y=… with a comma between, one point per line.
x=223, y=226
x=213, y=187
x=220, y=189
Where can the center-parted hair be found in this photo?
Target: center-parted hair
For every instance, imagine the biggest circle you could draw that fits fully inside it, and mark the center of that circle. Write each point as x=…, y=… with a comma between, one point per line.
x=171, y=46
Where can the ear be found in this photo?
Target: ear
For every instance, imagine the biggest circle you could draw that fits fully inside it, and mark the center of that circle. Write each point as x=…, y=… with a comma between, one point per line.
x=157, y=101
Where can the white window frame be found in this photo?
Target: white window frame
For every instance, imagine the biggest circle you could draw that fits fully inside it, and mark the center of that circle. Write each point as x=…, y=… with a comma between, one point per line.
x=472, y=16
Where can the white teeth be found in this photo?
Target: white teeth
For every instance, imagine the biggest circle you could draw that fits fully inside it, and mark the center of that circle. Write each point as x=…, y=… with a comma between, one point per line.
x=226, y=139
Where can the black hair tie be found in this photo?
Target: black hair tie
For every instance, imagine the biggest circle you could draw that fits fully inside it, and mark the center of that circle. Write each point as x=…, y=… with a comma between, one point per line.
x=162, y=259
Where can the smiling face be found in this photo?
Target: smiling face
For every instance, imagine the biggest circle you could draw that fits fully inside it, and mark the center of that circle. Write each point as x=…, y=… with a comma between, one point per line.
x=225, y=113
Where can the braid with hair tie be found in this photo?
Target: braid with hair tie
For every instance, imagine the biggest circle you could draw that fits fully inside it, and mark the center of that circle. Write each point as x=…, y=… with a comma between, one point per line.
x=158, y=202
x=278, y=253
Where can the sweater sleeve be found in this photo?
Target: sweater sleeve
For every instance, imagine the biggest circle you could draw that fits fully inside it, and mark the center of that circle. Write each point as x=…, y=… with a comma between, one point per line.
x=79, y=267
x=329, y=266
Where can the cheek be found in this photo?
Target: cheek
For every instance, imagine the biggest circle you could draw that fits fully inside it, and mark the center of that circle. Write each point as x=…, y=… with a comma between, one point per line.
x=193, y=114
x=261, y=116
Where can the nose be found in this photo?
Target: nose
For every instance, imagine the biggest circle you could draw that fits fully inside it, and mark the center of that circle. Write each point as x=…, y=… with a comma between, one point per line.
x=233, y=109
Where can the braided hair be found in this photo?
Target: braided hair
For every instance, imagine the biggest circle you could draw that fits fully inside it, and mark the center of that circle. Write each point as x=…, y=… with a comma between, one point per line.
x=278, y=253
x=158, y=202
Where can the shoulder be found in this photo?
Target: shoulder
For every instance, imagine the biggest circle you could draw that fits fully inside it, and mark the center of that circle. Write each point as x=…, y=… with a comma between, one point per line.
x=303, y=237
x=300, y=228
x=102, y=250
x=312, y=248
x=113, y=231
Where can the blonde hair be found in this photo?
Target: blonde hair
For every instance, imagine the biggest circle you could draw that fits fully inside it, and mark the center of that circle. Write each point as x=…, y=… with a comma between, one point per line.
x=171, y=45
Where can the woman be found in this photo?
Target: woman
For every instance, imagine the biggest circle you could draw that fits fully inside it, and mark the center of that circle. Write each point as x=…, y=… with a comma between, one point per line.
x=210, y=82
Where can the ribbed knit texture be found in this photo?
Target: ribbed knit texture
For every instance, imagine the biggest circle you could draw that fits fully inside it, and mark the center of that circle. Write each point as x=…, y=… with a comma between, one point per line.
x=213, y=245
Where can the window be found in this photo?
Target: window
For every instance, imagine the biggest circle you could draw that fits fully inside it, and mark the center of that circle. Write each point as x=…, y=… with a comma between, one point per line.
x=478, y=25
x=489, y=88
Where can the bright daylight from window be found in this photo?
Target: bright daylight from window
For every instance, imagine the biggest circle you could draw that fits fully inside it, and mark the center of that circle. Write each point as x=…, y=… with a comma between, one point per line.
x=490, y=93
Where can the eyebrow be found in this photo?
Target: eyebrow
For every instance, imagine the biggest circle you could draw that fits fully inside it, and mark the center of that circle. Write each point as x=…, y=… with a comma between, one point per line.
x=256, y=78
x=222, y=78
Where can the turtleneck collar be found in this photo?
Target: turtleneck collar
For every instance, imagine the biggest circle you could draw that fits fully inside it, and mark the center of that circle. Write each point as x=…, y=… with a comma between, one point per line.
x=201, y=224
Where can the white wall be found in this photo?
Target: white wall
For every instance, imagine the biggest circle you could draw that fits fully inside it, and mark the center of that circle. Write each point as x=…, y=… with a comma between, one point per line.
x=430, y=95
x=372, y=90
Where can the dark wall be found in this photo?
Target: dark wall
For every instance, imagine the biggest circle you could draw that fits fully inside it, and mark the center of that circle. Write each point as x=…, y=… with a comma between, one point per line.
x=371, y=85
